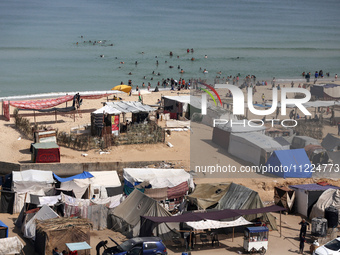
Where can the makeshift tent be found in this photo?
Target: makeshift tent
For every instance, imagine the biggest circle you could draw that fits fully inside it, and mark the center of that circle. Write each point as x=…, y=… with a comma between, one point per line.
x=10, y=245
x=289, y=164
x=302, y=141
x=48, y=152
x=149, y=222
x=3, y=230
x=221, y=133
x=252, y=147
x=126, y=217
x=44, y=213
x=107, y=118
x=285, y=144
x=103, y=180
x=77, y=183
x=330, y=197
x=160, y=184
x=240, y=197
x=307, y=195
x=59, y=231
x=331, y=143
x=285, y=197
x=95, y=210
x=325, y=91
x=317, y=154
x=207, y=194
x=28, y=182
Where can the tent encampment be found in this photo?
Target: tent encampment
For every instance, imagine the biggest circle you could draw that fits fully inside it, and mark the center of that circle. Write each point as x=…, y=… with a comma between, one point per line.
x=126, y=217
x=240, y=197
x=307, y=195
x=252, y=147
x=289, y=164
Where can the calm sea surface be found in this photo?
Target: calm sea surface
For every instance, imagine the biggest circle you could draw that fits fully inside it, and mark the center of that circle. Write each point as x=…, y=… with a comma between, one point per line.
x=45, y=45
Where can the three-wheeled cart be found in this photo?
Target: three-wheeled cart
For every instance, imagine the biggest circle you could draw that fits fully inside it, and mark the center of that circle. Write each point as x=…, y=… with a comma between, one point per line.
x=256, y=239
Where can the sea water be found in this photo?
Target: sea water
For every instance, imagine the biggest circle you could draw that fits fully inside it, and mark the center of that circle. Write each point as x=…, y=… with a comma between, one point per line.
x=45, y=45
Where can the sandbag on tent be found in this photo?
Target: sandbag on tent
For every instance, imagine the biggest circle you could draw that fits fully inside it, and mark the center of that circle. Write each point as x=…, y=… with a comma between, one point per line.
x=207, y=194
x=10, y=245
x=240, y=197
x=126, y=217
x=330, y=197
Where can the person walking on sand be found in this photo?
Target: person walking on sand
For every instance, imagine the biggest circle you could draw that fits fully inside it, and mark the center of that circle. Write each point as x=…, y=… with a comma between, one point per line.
x=302, y=244
x=303, y=228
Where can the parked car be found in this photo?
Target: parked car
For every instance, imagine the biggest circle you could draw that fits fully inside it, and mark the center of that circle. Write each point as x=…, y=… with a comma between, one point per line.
x=138, y=246
x=332, y=247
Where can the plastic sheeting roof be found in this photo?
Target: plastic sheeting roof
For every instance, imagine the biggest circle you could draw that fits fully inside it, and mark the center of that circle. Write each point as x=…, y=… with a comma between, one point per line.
x=260, y=140
x=158, y=178
x=313, y=186
x=33, y=176
x=192, y=100
x=213, y=224
x=105, y=179
x=11, y=245
x=83, y=175
x=236, y=128
x=78, y=246
x=124, y=107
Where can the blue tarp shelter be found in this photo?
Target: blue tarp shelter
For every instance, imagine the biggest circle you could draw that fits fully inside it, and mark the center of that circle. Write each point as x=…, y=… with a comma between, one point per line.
x=83, y=175
x=3, y=230
x=290, y=164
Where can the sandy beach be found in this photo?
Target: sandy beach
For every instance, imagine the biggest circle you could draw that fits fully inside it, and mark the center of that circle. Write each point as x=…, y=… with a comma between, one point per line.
x=15, y=149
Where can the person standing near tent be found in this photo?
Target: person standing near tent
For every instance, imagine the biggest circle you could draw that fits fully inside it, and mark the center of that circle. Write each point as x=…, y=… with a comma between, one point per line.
x=304, y=226
x=100, y=245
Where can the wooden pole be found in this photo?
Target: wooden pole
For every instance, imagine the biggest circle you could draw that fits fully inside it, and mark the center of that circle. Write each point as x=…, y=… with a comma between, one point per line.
x=55, y=113
x=233, y=234
x=190, y=240
x=280, y=225
x=34, y=116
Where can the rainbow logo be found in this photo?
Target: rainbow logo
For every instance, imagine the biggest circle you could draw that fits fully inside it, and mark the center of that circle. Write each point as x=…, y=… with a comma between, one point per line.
x=209, y=93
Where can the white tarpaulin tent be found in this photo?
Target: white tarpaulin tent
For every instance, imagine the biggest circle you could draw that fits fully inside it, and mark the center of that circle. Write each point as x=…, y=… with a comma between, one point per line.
x=215, y=224
x=252, y=147
x=24, y=183
x=158, y=178
x=10, y=245
x=102, y=180
x=44, y=213
x=330, y=197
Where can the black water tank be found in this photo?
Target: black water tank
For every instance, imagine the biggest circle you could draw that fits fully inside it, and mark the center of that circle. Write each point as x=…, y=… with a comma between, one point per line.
x=319, y=226
x=332, y=216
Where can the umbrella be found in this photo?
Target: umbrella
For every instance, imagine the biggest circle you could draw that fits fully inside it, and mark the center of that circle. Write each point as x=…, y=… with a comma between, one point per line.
x=124, y=88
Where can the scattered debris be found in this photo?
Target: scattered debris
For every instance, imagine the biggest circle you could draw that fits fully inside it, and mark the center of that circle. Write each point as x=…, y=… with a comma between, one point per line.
x=170, y=145
x=84, y=154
